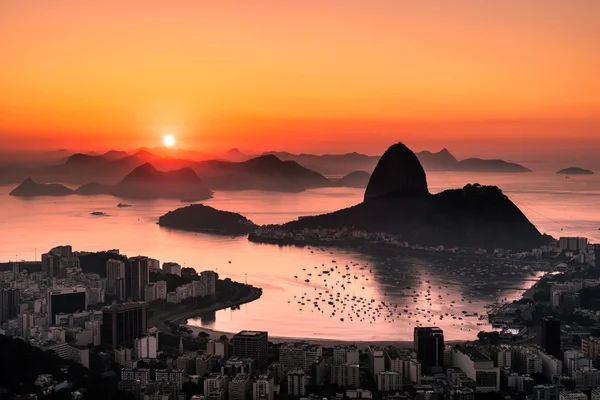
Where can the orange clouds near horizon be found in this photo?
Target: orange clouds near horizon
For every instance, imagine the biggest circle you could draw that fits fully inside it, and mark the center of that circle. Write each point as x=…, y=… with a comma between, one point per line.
x=299, y=76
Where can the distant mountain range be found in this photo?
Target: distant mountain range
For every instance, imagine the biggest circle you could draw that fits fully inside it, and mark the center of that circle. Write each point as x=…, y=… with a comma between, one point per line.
x=144, y=182
x=273, y=171
x=341, y=164
x=119, y=173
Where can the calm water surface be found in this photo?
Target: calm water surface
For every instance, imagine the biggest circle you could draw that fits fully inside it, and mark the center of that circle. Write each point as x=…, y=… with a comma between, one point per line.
x=556, y=205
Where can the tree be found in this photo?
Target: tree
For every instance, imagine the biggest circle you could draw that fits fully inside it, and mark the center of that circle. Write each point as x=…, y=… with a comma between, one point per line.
x=203, y=335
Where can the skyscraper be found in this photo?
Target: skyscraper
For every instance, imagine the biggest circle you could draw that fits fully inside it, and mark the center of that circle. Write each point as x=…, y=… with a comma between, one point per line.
x=9, y=304
x=115, y=269
x=139, y=276
x=429, y=345
x=550, y=336
x=65, y=301
x=123, y=323
x=209, y=280
x=253, y=345
x=50, y=264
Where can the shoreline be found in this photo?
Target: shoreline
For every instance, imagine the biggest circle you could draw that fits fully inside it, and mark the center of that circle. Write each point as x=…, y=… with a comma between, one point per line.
x=361, y=344
x=175, y=316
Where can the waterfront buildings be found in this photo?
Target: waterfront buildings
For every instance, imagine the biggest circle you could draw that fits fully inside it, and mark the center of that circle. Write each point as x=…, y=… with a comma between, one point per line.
x=478, y=367
x=251, y=344
x=429, y=345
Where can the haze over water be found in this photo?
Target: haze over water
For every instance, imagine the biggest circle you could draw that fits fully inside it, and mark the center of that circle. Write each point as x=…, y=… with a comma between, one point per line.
x=556, y=205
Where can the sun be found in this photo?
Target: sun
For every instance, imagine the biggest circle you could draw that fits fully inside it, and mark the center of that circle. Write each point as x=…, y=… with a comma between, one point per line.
x=169, y=140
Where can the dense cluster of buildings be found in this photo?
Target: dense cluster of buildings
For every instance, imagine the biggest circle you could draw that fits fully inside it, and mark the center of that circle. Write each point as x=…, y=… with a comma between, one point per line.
x=244, y=368
x=51, y=308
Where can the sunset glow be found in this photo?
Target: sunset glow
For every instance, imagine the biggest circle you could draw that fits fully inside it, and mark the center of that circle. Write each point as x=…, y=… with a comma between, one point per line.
x=273, y=74
x=169, y=140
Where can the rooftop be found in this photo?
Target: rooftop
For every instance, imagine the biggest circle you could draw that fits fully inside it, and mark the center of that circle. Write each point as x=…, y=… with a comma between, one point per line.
x=251, y=333
x=474, y=354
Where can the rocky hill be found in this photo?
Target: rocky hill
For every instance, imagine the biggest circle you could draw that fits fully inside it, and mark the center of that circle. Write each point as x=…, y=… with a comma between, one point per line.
x=397, y=201
x=30, y=188
x=201, y=218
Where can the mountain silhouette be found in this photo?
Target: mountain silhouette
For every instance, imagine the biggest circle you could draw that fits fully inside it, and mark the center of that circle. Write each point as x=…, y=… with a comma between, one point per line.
x=30, y=188
x=146, y=181
x=397, y=202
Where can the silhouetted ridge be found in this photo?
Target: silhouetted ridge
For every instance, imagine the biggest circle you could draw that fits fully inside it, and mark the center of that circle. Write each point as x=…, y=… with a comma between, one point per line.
x=355, y=179
x=201, y=218
x=397, y=202
x=575, y=171
x=479, y=165
x=398, y=173
x=30, y=188
x=146, y=181
x=84, y=159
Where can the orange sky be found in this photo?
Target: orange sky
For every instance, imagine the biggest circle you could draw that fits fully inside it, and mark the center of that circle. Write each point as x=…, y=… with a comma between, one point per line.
x=308, y=75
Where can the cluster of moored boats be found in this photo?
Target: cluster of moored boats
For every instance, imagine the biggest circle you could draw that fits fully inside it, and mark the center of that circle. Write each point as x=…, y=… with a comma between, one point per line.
x=338, y=291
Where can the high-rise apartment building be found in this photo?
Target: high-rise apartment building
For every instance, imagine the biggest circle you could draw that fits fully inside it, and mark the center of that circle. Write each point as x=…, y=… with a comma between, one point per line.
x=264, y=387
x=145, y=346
x=429, y=345
x=251, y=344
x=9, y=304
x=209, y=281
x=139, y=277
x=172, y=268
x=550, y=336
x=115, y=270
x=123, y=323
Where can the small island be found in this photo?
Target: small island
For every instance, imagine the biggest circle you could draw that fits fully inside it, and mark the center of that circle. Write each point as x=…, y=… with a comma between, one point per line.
x=31, y=188
x=201, y=218
x=99, y=214
x=575, y=171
